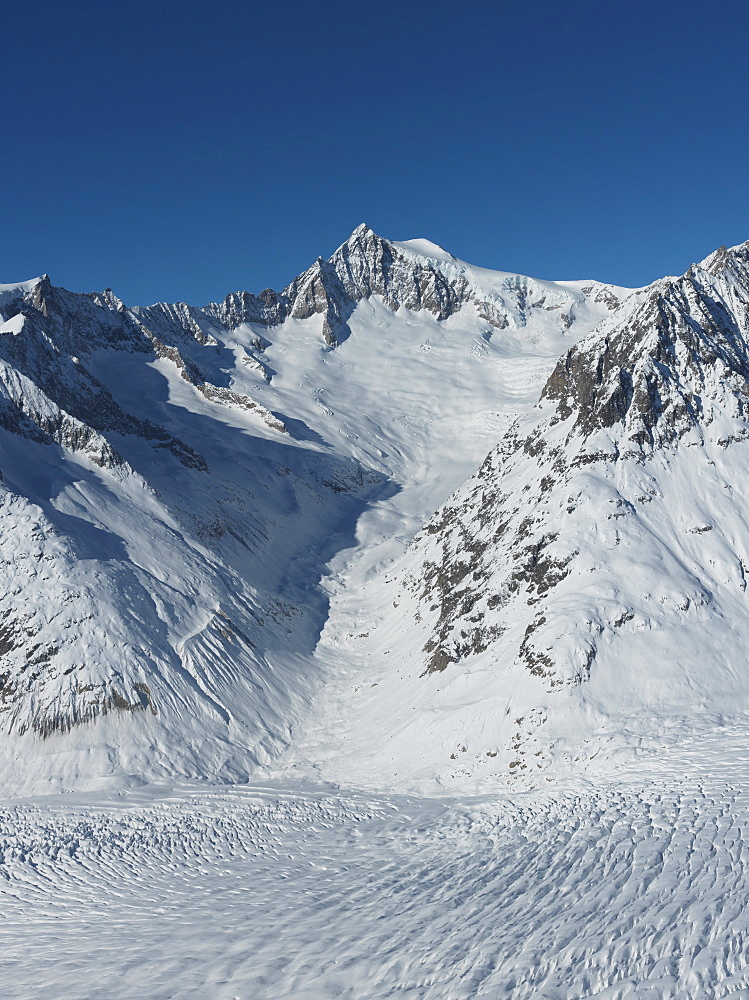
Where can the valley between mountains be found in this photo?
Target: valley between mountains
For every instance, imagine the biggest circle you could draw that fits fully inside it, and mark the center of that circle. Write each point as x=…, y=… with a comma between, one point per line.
x=382, y=636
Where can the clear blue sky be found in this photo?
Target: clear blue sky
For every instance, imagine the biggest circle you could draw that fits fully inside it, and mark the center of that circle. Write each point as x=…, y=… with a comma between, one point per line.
x=183, y=150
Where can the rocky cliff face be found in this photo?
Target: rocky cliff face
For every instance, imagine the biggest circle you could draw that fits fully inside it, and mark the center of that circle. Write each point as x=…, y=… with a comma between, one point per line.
x=680, y=362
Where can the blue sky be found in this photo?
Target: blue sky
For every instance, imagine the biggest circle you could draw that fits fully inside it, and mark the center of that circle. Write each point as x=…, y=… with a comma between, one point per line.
x=180, y=151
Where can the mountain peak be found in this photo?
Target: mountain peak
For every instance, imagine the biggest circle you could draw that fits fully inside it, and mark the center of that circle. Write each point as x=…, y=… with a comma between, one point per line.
x=721, y=258
x=361, y=241
x=22, y=287
x=426, y=248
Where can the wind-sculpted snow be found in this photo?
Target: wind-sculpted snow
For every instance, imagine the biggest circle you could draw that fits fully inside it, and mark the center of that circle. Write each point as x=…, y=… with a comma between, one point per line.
x=625, y=889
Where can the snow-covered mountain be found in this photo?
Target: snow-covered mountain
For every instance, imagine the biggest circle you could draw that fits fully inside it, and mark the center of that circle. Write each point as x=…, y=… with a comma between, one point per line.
x=177, y=480
x=415, y=275
x=406, y=525
x=141, y=572
x=586, y=589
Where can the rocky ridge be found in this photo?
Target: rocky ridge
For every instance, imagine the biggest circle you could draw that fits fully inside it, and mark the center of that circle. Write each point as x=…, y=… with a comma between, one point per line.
x=401, y=275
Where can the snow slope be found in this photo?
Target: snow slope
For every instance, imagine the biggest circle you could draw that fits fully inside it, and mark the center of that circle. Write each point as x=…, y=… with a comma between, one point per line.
x=587, y=587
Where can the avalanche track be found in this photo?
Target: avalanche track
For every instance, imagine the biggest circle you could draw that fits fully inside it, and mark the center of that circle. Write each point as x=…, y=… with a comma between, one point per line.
x=631, y=886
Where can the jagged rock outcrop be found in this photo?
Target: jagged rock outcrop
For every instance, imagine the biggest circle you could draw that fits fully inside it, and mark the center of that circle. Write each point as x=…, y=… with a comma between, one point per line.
x=50, y=394
x=674, y=365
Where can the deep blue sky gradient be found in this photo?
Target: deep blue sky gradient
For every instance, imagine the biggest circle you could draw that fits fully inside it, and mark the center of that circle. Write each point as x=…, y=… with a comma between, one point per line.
x=180, y=151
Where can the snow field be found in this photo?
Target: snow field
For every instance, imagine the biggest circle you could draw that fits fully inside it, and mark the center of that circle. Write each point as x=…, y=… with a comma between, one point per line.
x=630, y=889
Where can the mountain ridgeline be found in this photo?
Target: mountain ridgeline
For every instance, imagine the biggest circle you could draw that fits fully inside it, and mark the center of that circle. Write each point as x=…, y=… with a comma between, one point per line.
x=176, y=481
x=367, y=265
